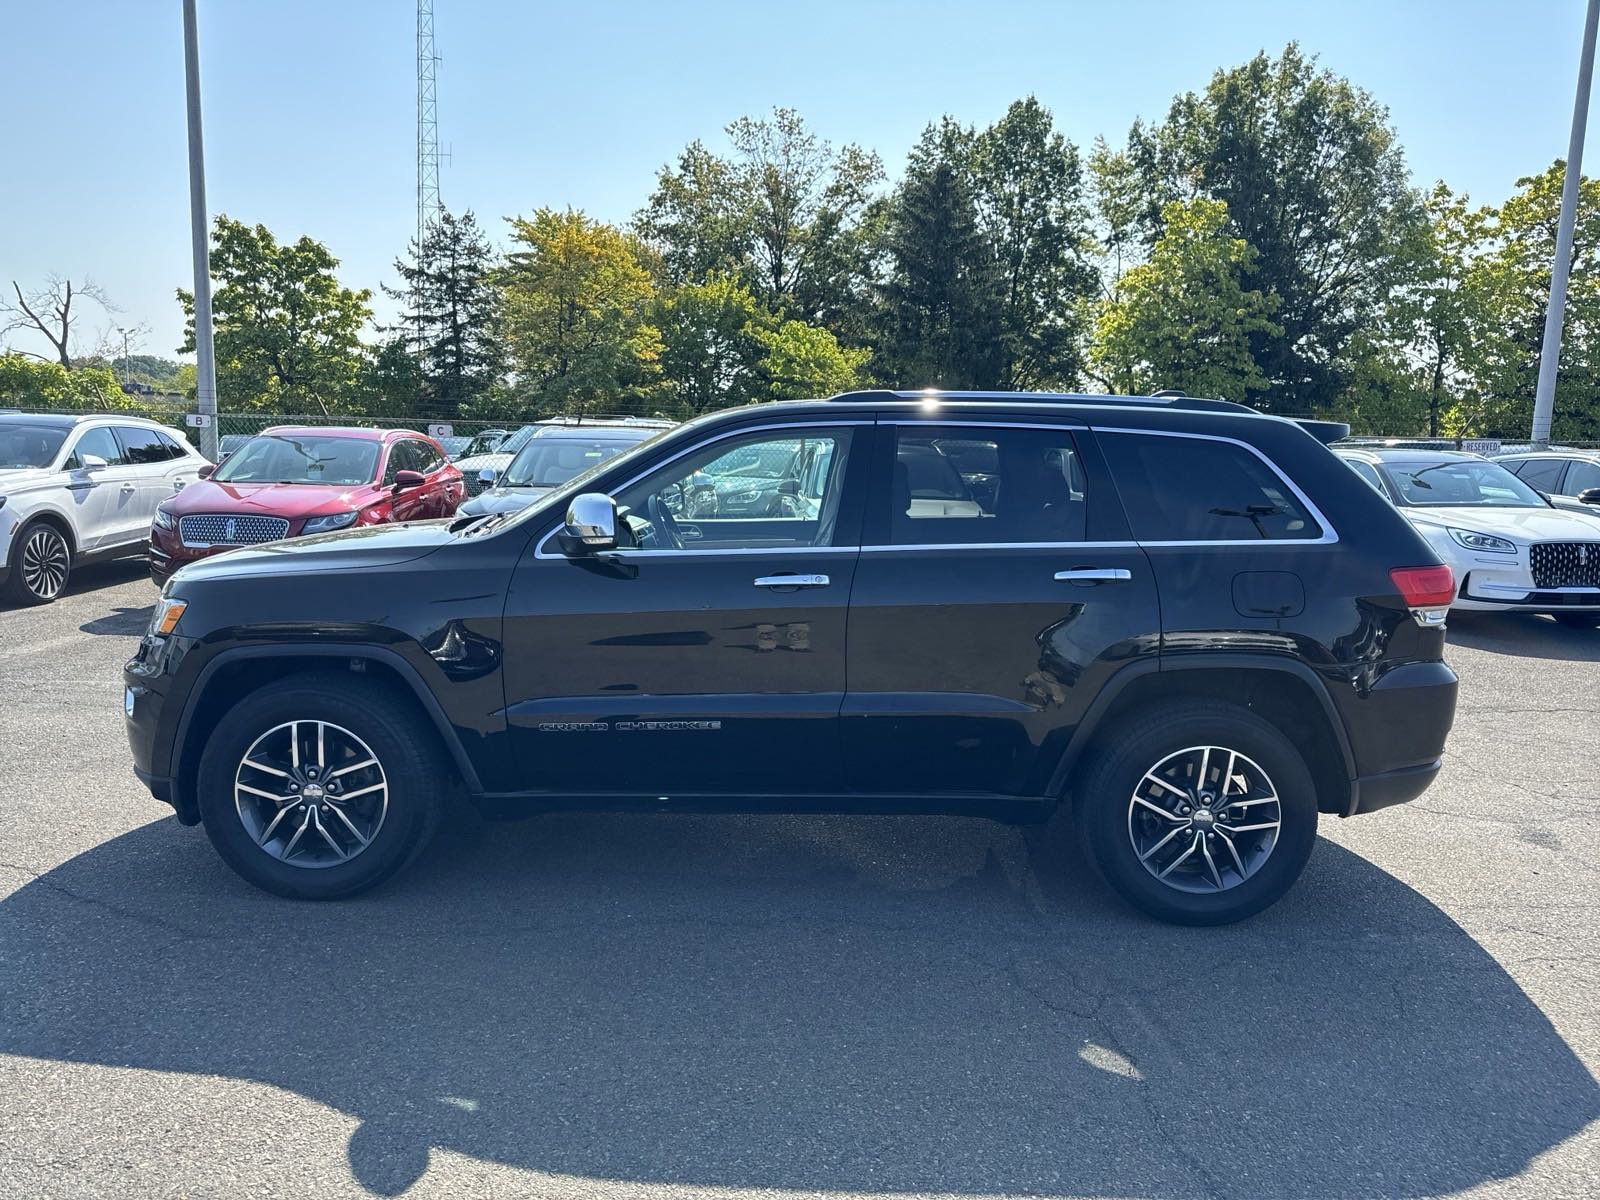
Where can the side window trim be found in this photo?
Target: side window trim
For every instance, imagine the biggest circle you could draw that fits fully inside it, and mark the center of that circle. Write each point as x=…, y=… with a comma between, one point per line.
x=542, y=541
x=1329, y=534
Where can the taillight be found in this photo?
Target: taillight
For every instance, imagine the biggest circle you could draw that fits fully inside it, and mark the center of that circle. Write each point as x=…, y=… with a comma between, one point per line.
x=1427, y=591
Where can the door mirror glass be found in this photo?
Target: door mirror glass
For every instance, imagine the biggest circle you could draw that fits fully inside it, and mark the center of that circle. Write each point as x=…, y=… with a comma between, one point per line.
x=406, y=480
x=592, y=522
x=487, y=477
x=93, y=462
x=206, y=470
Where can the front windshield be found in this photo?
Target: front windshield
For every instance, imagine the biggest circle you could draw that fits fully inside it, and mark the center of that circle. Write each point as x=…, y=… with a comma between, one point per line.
x=1460, y=483
x=578, y=482
x=302, y=458
x=516, y=441
x=552, y=461
x=29, y=445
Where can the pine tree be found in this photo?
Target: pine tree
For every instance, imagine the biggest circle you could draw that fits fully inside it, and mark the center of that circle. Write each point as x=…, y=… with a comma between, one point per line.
x=941, y=302
x=453, y=313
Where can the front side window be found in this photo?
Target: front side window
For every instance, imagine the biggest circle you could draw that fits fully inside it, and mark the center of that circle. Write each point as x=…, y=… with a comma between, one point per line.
x=774, y=489
x=1582, y=477
x=1541, y=474
x=1368, y=472
x=1192, y=489
x=967, y=486
x=301, y=458
x=1460, y=483
x=101, y=443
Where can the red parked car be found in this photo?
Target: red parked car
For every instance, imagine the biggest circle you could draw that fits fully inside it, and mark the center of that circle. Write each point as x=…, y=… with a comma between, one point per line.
x=293, y=480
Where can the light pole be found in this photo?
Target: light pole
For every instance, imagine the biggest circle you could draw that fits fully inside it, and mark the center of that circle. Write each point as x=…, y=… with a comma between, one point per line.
x=1544, y=397
x=205, y=374
x=124, y=332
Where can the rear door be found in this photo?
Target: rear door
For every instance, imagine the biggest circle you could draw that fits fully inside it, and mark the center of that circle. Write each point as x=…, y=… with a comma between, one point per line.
x=998, y=591
x=153, y=468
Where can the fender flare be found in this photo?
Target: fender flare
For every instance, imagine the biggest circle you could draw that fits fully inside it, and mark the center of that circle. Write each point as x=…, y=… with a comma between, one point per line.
x=1086, y=729
x=381, y=654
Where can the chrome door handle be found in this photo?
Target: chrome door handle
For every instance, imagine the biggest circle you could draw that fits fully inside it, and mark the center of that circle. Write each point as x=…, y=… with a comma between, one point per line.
x=792, y=581
x=1094, y=575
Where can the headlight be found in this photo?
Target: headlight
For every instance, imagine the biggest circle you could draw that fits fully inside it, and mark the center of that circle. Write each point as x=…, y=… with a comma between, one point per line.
x=166, y=616
x=325, y=524
x=1482, y=541
x=164, y=519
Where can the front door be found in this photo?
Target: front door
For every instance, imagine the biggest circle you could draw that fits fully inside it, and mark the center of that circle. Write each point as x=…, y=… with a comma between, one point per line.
x=106, y=499
x=705, y=656
x=998, y=591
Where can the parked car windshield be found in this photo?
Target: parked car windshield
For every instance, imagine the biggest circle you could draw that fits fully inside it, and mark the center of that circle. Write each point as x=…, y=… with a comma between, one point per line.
x=552, y=461
x=1460, y=483
x=29, y=445
x=302, y=458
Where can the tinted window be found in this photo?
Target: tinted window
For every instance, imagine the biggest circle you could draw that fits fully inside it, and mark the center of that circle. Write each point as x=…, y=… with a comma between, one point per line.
x=430, y=456
x=98, y=441
x=1581, y=477
x=1541, y=474
x=1187, y=489
x=770, y=489
x=140, y=446
x=175, y=448
x=956, y=486
x=301, y=458
x=403, y=456
x=1368, y=472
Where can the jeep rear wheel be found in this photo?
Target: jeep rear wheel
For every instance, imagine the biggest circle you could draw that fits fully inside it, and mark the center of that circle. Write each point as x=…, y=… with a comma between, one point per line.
x=1200, y=814
x=321, y=786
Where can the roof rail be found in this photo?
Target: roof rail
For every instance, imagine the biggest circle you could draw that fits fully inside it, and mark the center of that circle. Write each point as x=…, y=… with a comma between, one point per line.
x=1160, y=399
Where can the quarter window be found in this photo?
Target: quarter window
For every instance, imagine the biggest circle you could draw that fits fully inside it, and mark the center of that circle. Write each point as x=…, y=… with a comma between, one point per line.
x=967, y=485
x=769, y=490
x=1188, y=489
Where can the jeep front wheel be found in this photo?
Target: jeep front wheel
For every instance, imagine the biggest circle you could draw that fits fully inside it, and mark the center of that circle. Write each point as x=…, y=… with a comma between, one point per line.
x=1199, y=814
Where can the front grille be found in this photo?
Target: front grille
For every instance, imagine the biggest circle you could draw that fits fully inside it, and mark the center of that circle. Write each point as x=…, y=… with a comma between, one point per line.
x=1565, y=564
x=223, y=530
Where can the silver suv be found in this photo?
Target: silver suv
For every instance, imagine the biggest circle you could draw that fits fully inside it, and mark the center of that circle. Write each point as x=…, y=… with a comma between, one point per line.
x=75, y=488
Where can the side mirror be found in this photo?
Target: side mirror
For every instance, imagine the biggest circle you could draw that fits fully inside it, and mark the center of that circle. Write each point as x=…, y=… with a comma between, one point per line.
x=404, y=481
x=93, y=462
x=207, y=470
x=1589, y=496
x=592, y=522
x=487, y=476
x=789, y=487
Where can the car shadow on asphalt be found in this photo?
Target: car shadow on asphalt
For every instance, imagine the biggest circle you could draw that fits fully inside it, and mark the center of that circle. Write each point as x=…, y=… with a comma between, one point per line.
x=96, y=575
x=1525, y=636
x=120, y=622
x=862, y=1004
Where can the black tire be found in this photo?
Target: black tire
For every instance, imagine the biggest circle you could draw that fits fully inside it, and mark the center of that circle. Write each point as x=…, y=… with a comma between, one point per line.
x=414, y=767
x=1575, y=620
x=38, y=544
x=1104, y=792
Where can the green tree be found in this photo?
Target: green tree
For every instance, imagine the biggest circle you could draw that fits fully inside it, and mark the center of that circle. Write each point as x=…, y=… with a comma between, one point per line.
x=1029, y=187
x=1183, y=319
x=28, y=382
x=940, y=304
x=287, y=335
x=577, y=314
x=1118, y=200
x=453, y=315
x=806, y=361
x=1315, y=181
x=787, y=213
x=711, y=351
x=393, y=379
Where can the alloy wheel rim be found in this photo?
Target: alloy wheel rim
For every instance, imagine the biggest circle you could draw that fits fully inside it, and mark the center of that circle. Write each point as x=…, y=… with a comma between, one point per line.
x=1204, y=819
x=311, y=794
x=44, y=563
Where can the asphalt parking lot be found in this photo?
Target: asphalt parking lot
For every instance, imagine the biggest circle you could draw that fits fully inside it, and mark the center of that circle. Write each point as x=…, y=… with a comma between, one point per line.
x=628, y=1006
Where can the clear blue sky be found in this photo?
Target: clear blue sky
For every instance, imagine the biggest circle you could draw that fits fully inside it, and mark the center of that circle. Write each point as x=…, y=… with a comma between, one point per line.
x=310, y=105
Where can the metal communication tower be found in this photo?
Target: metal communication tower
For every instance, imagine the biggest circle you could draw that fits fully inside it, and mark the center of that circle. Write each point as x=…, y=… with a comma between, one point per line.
x=428, y=205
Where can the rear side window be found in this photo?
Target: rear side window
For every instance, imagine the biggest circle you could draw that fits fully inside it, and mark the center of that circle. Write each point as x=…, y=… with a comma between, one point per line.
x=1192, y=489
x=141, y=446
x=1541, y=474
x=962, y=486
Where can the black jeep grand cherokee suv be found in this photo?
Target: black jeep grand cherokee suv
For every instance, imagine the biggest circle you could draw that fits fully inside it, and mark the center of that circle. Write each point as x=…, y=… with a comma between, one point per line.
x=1187, y=623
